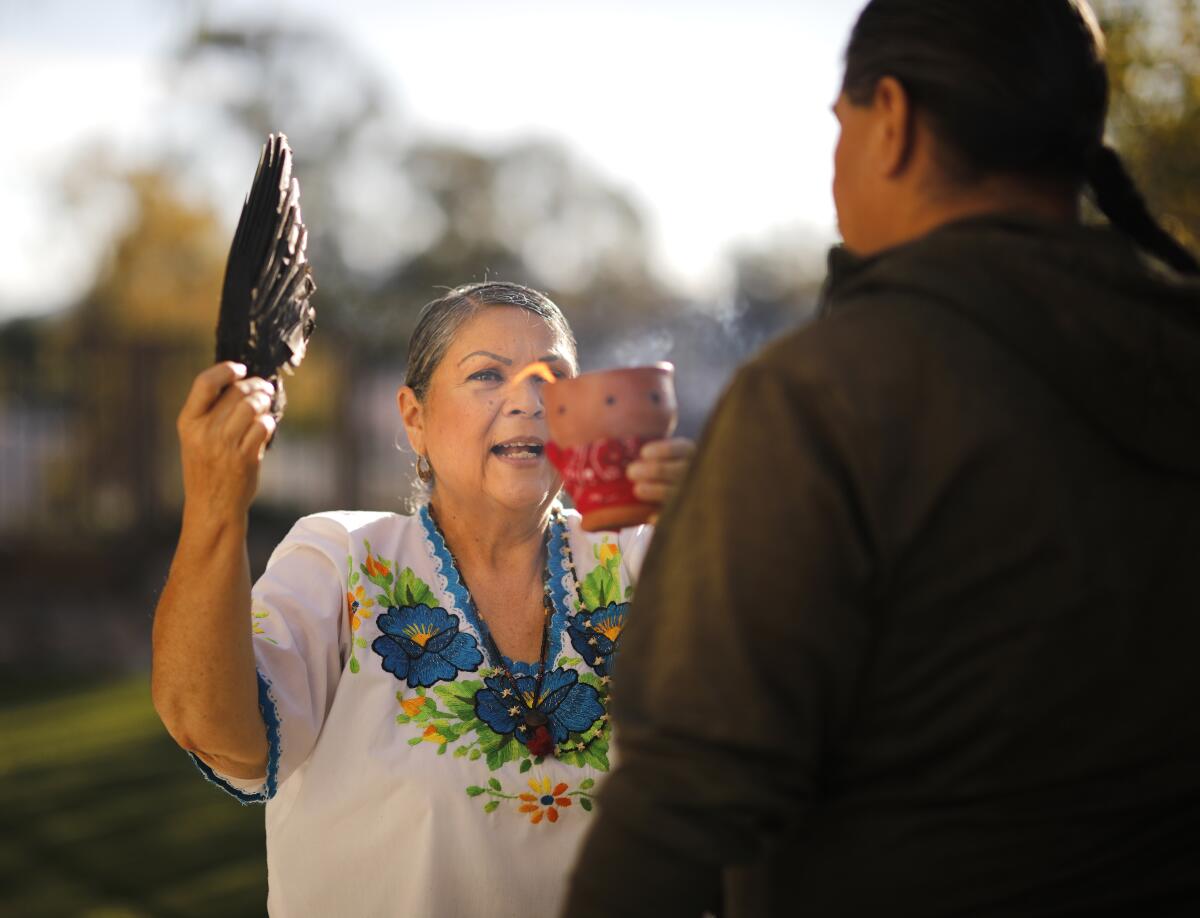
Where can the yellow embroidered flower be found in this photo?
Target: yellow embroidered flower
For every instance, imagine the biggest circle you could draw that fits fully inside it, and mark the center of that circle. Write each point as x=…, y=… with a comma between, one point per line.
x=545, y=801
x=358, y=607
x=608, y=550
x=431, y=735
x=256, y=625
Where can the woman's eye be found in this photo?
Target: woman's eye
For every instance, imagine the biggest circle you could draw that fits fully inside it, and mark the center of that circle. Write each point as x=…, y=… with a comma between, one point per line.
x=486, y=376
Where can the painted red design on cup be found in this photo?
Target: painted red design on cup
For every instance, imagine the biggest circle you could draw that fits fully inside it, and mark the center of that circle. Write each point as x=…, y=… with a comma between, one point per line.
x=594, y=474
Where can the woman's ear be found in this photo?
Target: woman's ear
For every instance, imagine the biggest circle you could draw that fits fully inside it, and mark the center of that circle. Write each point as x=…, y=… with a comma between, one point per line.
x=894, y=128
x=412, y=413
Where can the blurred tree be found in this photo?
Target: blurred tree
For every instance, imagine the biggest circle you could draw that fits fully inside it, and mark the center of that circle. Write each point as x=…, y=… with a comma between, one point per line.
x=1154, y=64
x=395, y=220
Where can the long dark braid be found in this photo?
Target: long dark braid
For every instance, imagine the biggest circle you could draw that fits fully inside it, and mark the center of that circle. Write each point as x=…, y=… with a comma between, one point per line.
x=1009, y=86
x=1119, y=199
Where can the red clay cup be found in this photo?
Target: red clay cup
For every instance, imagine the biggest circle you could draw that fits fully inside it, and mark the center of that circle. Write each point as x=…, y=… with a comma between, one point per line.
x=598, y=424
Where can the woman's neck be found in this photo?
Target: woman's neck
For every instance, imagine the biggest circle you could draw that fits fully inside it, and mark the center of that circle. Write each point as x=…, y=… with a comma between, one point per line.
x=492, y=537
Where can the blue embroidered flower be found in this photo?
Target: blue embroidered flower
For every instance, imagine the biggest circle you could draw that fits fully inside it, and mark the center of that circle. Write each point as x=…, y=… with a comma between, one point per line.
x=566, y=705
x=422, y=645
x=594, y=635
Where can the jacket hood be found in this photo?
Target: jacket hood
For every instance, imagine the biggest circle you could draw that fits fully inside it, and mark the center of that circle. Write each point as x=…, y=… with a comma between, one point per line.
x=1115, y=333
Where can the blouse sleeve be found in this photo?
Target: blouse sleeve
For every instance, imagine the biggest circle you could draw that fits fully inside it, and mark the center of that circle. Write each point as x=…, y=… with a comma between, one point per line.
x=633, y=543
x=300, y=642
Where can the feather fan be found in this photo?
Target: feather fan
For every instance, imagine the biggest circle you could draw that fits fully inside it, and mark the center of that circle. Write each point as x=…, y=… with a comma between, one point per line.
x=266, y=317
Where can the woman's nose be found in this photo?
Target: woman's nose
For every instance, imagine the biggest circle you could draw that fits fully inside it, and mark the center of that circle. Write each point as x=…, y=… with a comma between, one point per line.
x=526, y=398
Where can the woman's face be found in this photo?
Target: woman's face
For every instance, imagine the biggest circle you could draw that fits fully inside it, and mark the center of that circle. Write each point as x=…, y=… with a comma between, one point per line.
x=484, y=436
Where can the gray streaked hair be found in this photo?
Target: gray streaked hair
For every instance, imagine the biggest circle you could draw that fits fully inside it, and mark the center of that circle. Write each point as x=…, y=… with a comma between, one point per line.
x=441, y=319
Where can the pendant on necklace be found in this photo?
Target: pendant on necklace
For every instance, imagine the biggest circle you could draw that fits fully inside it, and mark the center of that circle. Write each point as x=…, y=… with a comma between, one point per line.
x=541, y=742
x=534, y=718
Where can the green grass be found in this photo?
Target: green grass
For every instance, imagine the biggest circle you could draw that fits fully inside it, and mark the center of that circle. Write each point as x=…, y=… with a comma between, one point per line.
x=103, y=816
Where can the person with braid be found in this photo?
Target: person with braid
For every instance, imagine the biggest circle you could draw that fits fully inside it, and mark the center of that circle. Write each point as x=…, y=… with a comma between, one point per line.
x=918, y=635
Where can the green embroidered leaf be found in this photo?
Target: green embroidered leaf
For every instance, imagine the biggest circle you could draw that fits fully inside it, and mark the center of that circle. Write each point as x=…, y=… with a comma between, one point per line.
x=568, y=661
x=353, y=664
x=461, y=705
x=421, y=690
x=361, y=642
x=594, y=681
x=474, y=790
x=571, y=757
x=460, y=752
x=629, y=592
x=412, y=591
x=493, y=783
x=526, y=765
x=415, y=740
x=587, y=783
x=586, y=803
x=539, y=760
x=475, y=754
x=354, y=579
x=402, y=718
x=506, y=753
x=596, y=758
x=441, y=749
x=490, y=741
x=463, y=711
x=490, y=806
x=464, y=689
x=590, y=591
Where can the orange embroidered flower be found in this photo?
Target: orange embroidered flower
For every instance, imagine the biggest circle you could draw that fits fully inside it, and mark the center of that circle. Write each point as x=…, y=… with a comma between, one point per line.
x=431, y=735
x=412, y=706
x=608, y=550
x=376, y=567
x=358, y=607
x=545, y=801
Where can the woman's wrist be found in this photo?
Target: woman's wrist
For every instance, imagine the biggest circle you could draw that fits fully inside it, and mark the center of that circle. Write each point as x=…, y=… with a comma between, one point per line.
x=209, y=525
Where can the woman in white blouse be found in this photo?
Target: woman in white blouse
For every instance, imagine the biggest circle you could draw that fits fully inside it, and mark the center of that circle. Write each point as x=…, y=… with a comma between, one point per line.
x=423, y=748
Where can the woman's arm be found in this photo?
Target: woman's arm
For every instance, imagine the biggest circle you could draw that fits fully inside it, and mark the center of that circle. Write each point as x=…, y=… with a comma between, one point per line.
x=204, y=681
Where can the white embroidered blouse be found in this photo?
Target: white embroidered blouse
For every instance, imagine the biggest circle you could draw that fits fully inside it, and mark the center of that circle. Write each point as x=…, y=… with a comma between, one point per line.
x=410, y=773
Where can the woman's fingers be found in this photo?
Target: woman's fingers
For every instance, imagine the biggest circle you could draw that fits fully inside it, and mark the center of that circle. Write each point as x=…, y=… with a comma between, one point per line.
x=242, y=411
x=254, y=442
x=208, y=387
x=673, y=448
x=653, y=492
x=660, y=468
x=670, y=470
x=662, y=460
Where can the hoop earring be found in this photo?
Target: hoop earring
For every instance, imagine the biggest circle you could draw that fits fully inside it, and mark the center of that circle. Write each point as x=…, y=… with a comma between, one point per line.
x=424, y=469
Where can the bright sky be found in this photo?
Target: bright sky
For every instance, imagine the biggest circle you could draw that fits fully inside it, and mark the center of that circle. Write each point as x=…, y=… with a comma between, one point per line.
x=712, y=114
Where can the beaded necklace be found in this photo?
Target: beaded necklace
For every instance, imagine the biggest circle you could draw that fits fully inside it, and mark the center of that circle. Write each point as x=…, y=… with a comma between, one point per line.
x=540, y=741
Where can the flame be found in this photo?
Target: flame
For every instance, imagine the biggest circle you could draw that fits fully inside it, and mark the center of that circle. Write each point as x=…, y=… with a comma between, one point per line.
x=537, y=368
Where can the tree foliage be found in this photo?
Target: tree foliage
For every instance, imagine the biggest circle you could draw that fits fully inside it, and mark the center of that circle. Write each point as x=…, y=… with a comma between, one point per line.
x=1154, y=65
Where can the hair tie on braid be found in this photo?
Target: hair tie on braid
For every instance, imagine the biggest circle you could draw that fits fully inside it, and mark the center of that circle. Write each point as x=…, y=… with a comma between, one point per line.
x=1119, y=199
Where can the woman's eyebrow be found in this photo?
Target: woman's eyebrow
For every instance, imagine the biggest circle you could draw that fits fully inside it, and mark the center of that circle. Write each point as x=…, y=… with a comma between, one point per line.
x=503, y=360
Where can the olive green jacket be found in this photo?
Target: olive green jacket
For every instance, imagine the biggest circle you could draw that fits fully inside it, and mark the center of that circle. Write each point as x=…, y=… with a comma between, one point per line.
x=921, y=633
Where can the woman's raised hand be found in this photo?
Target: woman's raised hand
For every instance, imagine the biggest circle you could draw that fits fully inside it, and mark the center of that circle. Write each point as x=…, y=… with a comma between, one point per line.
x=223, y=432
x=659, y=469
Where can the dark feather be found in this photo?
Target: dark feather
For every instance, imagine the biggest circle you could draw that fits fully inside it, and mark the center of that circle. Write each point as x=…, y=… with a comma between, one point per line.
x=266, y=317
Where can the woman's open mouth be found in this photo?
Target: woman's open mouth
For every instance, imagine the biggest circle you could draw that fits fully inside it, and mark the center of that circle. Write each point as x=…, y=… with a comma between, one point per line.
x=520, y=449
